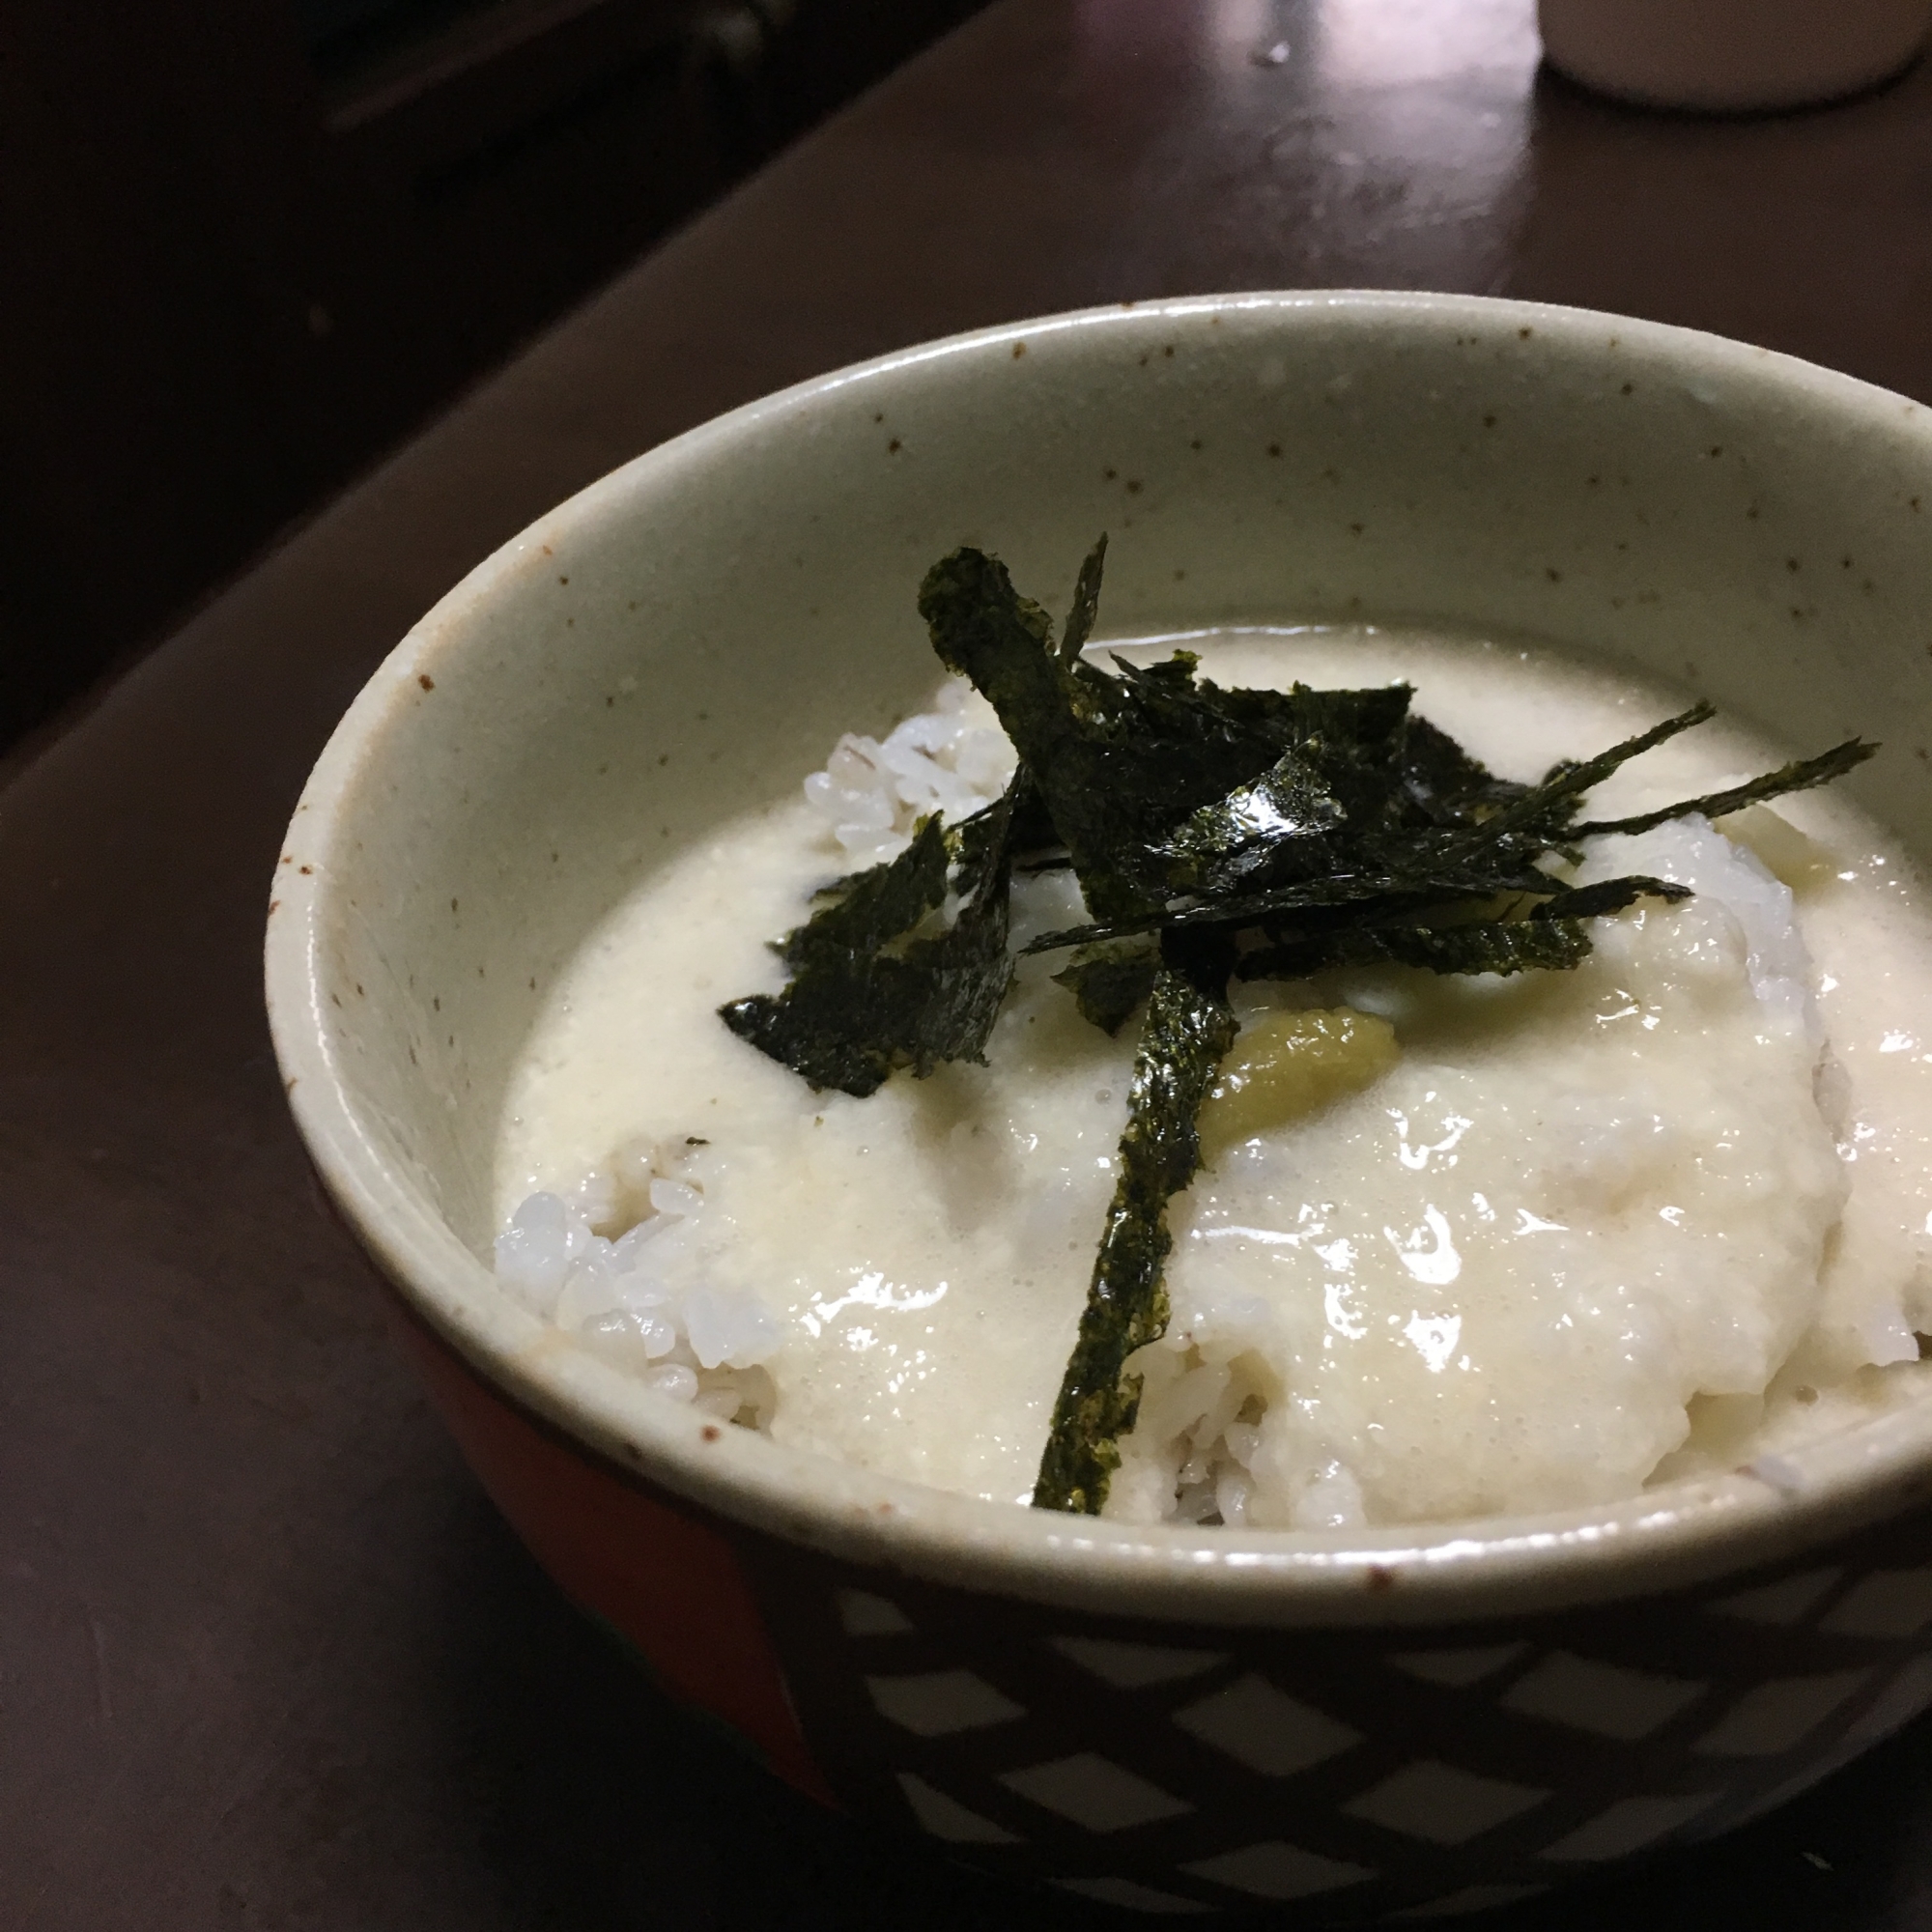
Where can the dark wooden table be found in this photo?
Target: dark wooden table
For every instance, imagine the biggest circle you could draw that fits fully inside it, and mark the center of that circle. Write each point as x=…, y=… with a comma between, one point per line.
x=267, y=1659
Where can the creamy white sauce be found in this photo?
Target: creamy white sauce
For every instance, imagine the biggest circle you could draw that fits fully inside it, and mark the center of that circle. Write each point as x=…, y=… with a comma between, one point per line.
x=1594, y=1230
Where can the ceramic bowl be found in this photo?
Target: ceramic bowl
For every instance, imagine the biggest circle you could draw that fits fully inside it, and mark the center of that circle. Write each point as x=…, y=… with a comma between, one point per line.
x=1404, y=1720
x=1732, y=56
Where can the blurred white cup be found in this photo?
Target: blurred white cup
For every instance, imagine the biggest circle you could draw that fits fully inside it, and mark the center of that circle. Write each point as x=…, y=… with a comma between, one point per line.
x=1731, y=54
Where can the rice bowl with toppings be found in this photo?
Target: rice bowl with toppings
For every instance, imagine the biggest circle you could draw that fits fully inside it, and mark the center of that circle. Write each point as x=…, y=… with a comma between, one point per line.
x=763, y=1383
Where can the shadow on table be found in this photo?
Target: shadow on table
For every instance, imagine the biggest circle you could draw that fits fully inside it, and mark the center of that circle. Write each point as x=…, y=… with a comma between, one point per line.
x=600, y=1806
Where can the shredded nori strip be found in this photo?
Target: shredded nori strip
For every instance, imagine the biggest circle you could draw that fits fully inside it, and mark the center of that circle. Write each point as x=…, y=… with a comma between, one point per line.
x=1109, y=981
x=1189, y=1026
x=1086, y=604
x=1547, y=808
x=1358, y=899
x=1607, y=895
x=1494, y=946
x=1800, y=774
x=1215, y=833
x=1548, y=936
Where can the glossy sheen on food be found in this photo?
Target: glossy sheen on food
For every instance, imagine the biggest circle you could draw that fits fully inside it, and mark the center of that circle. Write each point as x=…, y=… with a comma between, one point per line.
x=1290, y=1065
x=1589, y=1230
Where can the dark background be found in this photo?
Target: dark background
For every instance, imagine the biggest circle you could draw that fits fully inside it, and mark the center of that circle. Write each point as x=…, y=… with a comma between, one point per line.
x=250, y=245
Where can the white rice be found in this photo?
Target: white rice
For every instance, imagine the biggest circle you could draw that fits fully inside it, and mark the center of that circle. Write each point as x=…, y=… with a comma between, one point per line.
x=872, y=793
x=609, y=1266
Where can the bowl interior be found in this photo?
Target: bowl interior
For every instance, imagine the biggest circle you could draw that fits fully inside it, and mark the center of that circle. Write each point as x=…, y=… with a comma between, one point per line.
x=691, y=634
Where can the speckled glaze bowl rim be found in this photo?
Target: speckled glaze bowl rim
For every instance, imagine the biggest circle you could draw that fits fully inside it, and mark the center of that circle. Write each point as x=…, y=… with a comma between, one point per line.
x=1438, y=1574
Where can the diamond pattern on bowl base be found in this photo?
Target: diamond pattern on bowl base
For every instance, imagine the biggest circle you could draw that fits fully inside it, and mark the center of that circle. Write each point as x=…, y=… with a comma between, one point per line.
x=1601, y=1697
x=1908, y=1694
x=1629, y=1825
x=1434, y=1800
x=1888, y=1603
x=936, y=1703
x=1278, y=1870
x=1094, y=1792
x=1168, y=1768
x=1471, y=1898
x=1265, y=1728
x=1129, y=1894
x=1776, y=1715
x=1782, y=1602
x=863, y=1614
x=1901, y=1700
x=1457, y=1669
x=1133, y=1666
x=944, y=1817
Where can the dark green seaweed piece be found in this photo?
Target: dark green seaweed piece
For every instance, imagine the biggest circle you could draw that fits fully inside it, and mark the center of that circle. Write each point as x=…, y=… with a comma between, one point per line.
x=1119, y=760
x=1442, y=783
x=1290, y=789
x=1550, y=937
x=869, y=993
x=1608, y=895
x=1492, y=946
x=1086, y=603
x=1800, y=774
x=1109, y=981
x=1188, y=1028
x=1030, y=830
x=1221, y=847
x=1357, y=896
x=877, y=905
x=1004, y=643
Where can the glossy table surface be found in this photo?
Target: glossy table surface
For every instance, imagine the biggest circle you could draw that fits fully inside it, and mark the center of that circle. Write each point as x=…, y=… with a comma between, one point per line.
x=267, y=1658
